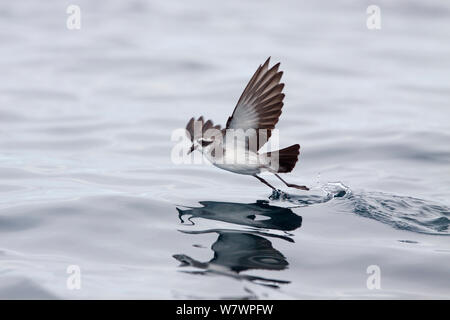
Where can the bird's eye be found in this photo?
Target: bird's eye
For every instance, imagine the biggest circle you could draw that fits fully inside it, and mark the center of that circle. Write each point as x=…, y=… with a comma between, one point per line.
x=205, y=143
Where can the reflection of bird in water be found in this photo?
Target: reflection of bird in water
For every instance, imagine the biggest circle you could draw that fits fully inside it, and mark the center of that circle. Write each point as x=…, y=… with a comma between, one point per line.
x=242, y=251
x=259, y=214
x=236, y=251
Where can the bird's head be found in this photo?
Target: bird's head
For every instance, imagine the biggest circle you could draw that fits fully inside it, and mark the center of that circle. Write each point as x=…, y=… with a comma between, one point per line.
x=196, y=131
x=200, y=145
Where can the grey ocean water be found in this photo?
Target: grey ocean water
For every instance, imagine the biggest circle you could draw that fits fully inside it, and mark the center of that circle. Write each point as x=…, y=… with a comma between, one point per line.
x=86, y=177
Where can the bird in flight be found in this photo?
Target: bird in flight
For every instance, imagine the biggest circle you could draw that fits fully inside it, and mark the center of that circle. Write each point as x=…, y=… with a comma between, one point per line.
x=256, y=114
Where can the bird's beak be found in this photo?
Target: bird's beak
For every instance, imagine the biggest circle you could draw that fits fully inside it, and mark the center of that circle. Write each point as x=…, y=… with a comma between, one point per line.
x=192, y=149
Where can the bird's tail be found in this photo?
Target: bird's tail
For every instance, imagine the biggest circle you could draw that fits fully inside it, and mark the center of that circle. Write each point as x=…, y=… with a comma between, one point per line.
x=287, y=158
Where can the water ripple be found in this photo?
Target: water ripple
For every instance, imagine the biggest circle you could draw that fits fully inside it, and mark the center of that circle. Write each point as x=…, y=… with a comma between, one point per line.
x=401, y=212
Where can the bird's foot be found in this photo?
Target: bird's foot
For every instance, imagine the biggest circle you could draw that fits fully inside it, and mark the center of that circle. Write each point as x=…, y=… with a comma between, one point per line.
x=277, y=194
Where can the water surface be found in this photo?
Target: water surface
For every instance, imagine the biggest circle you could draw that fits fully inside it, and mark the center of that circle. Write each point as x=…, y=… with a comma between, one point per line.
x=86, y=176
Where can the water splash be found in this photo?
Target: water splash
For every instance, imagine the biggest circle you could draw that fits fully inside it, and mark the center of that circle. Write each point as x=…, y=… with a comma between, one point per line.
x=401, y=212
x=322, y=194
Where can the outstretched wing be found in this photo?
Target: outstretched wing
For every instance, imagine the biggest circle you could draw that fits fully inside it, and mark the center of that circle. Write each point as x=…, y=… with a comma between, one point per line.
x=259, y=106
x=197, y=128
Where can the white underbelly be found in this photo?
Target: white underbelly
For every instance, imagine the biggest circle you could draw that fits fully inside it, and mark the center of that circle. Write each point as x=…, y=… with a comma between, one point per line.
x=240, y=162
x=239, y=168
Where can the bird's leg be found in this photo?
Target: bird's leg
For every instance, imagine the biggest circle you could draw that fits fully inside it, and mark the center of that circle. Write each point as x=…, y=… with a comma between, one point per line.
x=264, y=181
x=291, y=185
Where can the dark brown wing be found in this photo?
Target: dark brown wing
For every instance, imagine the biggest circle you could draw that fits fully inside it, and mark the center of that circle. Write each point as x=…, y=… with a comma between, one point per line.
x=195, y=135
x=259, y=106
